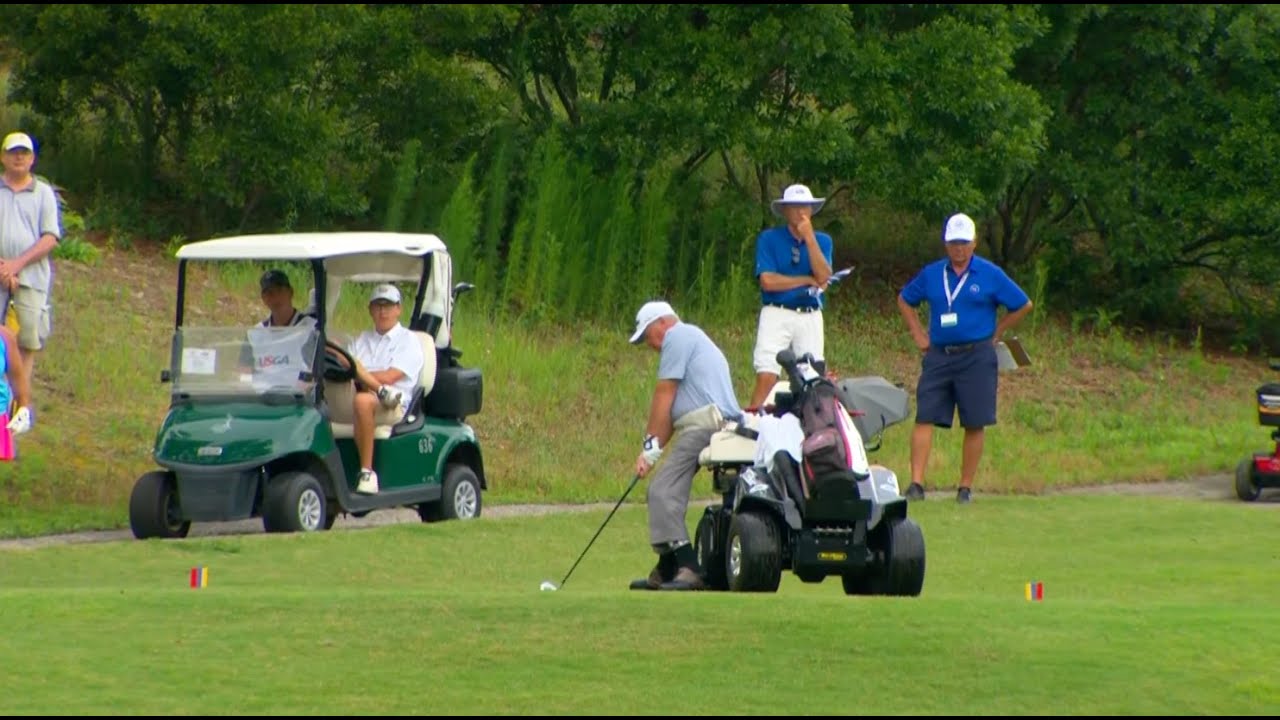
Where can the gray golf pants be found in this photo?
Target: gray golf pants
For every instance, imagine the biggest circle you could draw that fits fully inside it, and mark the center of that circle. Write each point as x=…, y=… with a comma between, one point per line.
x=670, y=486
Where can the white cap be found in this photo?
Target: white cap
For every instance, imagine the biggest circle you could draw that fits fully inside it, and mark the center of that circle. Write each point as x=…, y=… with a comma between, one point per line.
x=798, y=195
x=960, y=228
x=386, y=291
x=15, y=140
x=649, y=312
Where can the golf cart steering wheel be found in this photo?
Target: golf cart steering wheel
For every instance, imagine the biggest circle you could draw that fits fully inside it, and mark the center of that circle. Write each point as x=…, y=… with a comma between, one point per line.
x=333, y=370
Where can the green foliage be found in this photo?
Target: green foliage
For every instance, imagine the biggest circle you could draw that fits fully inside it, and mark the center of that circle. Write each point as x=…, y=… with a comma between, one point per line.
x=460, y=224
x=403, y=186
x=1130, y=185
x=73, y=245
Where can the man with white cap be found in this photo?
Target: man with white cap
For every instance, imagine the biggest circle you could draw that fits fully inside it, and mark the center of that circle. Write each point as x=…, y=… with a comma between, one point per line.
x=388, y=362
x=30, y=227
x=693, y=398
x=959, y=364
x=792, y=260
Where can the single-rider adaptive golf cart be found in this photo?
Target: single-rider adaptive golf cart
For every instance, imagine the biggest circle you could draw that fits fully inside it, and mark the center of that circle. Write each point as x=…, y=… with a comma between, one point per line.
x=1263, y=468
x=260, y=418
x=850, y=522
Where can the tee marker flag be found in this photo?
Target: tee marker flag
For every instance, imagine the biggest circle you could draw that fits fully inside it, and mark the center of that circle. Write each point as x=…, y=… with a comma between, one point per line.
x=199, y=577
x=1035, y=591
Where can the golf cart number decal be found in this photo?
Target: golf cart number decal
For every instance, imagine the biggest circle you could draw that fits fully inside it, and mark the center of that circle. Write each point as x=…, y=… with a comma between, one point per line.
x=426, y=445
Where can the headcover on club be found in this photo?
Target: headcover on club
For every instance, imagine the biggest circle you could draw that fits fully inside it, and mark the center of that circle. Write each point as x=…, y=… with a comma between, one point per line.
x=21, y=421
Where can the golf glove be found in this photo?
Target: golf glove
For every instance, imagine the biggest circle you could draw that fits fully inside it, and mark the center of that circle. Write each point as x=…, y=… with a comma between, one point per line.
x=652, y=450
x=21, y=421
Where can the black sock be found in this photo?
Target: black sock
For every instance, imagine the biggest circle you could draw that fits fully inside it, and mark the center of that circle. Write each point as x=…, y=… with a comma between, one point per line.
x=686, y=557
x=667, y=565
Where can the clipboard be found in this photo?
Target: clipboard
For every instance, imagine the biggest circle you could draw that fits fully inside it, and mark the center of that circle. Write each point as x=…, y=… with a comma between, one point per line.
x=1011, y=355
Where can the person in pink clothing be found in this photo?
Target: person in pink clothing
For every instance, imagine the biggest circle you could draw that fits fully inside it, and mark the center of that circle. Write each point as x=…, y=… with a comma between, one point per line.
x=15, y=391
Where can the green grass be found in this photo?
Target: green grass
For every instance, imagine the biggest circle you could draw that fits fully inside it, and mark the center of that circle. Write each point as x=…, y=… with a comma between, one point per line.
x=565, y=405
x=1152, y=606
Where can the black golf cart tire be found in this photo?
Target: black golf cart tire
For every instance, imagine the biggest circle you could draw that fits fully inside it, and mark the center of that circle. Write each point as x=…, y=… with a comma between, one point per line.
x=710, y=553
x=460, y=486
x=761, y=553
x=154, y=496
x=1246, y=489
x=295, y=502
x=903, y=557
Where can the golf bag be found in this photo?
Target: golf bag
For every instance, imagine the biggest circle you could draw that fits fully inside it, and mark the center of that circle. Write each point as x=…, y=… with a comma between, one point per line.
x=829, y=434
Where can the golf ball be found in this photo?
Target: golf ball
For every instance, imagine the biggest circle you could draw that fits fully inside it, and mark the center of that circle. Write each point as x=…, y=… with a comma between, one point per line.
x=547, y=585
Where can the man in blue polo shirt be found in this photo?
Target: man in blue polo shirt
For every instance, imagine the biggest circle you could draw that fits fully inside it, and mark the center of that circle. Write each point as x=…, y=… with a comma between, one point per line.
x=793, y=262
x=959, y=368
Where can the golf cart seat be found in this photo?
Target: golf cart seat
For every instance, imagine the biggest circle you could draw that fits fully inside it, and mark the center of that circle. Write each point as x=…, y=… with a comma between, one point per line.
x=736, y=444
x=340, y=396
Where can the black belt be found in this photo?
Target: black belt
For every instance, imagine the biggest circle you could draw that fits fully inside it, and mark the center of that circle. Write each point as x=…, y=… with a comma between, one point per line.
x=797, y=308
x=958, y=348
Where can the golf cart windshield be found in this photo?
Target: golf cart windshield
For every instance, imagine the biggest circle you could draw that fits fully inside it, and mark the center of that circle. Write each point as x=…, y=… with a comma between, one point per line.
x=248, y=362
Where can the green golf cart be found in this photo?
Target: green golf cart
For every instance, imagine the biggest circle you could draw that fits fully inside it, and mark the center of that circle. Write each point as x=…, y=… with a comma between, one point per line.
x=260, y=422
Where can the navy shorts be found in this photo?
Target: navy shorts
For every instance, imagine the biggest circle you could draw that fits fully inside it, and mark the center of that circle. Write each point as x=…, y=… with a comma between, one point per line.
x=966, y=380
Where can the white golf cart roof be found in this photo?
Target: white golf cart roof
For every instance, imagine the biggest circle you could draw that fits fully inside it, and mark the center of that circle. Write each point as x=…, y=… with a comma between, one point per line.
x=365, y=257
x=310, y=246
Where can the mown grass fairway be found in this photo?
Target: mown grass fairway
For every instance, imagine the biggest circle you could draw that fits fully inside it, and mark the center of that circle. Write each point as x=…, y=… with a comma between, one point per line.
x=1152, y=606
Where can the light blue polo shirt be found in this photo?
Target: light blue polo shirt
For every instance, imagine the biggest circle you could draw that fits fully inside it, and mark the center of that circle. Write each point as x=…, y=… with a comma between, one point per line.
x=25, y=215
x=693, y=360
x=777, y=251
x=986, y=287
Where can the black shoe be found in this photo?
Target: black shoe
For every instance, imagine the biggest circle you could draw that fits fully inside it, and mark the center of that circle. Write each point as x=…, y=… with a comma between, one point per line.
x=915, y=492
x=653, y=582
x=962, y=495
x=686, y=579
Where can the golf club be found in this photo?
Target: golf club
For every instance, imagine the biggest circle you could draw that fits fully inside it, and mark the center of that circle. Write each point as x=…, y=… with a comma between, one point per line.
x=547, y=584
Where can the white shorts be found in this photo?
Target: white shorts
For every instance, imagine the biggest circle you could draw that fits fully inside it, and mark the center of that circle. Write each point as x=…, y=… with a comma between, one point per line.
x=782, y=328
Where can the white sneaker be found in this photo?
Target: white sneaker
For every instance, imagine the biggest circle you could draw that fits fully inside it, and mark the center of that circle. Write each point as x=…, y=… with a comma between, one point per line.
x=368, y=484
x=389, y=397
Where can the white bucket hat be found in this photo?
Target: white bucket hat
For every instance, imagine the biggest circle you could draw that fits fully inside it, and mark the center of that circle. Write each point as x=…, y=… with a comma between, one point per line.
x=797, y=195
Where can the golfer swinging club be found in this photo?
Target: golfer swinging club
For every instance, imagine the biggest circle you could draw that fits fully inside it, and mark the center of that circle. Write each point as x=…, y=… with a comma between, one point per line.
x=692, y=400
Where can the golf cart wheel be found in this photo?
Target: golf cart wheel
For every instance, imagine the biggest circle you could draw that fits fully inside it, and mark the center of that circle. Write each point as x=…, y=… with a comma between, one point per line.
x=155, y=509
x=753, y=553
x=901, y=568
x=459, y=496
x=295, y=503
x=710, y=551
x=1246, y=487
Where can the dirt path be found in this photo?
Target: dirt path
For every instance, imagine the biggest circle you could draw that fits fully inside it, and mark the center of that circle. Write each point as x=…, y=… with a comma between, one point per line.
x=1211, y=488
x=254, y=525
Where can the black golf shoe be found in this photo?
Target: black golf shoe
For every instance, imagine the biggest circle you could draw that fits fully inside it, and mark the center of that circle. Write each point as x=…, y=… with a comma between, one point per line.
x=915, y=492
x=962, y=495
x=686, y=579
x=663, y=572
x=653, y=582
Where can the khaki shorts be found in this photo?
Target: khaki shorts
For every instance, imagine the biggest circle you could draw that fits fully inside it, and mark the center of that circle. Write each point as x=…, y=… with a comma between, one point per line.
x=341, y=397
x=32, y=306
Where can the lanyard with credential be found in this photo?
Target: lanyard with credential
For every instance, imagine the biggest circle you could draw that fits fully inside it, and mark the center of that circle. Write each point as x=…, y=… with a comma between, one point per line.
x=946, y=286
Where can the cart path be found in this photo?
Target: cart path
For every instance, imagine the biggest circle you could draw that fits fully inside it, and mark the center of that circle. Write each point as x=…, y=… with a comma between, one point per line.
x=253, y=526
x=1210, y=488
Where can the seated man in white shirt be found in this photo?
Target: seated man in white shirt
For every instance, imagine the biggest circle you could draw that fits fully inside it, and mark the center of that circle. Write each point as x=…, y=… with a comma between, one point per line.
x=388, y=362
